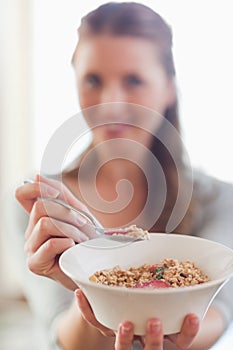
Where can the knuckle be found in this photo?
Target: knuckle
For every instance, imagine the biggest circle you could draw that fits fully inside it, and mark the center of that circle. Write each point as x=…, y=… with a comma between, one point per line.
x=56, y=244
x=37, y=206
x=32, y=266
x=43, y=223
x=50, y=244
x=36, y=209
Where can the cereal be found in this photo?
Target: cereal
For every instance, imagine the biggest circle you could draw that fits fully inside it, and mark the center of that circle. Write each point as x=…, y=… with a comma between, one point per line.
x=168, y=273
x=130, y=231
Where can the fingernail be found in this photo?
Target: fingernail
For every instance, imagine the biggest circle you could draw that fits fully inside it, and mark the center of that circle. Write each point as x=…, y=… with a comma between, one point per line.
x=155, y=327
x=52, y=192
x=78, y=294
x=126, y=329
x=81, y=220
x=194, y=321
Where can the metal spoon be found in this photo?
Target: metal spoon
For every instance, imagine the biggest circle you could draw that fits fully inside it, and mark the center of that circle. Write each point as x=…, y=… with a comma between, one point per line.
x=114, y=234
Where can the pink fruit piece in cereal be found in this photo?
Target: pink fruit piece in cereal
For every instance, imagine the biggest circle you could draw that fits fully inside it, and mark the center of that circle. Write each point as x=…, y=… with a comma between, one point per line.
x=153, y=284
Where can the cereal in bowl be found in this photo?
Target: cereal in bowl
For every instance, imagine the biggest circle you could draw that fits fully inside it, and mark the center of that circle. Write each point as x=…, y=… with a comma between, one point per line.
x=168, y=273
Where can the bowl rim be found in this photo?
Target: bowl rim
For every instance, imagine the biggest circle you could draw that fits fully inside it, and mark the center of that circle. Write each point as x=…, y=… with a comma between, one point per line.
x=170, y=290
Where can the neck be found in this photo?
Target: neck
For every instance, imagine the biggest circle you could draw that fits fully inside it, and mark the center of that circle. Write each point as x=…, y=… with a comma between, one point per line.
x=121, y=169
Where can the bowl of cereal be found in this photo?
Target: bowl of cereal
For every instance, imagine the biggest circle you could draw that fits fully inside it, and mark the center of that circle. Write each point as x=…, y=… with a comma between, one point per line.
x=167, y=276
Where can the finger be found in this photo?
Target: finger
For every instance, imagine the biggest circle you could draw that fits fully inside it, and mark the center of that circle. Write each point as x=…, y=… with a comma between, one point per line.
x=88, y=314
x=44, y=259
x=67, y=196
x=47, y=228
x=154, y=335
x=189, y=330
x=124, y=337
x=65, y=193
x=28, y=193
x=56, y=211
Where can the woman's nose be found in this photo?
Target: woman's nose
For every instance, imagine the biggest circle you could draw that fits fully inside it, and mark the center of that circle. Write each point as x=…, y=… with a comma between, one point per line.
x=113, y=105
x=113, y=93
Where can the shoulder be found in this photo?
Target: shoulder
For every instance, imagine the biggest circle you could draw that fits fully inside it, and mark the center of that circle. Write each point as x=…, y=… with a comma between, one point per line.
x=215, y=208
x=210, y=190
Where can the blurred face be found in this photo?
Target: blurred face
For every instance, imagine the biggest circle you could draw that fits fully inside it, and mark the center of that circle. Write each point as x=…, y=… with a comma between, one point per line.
x=118, y=74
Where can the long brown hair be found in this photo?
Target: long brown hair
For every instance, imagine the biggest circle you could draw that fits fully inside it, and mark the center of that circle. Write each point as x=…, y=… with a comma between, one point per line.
x=137, y=20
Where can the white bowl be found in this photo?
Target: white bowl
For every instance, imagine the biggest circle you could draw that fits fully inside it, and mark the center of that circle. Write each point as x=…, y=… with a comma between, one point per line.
x=112, y=305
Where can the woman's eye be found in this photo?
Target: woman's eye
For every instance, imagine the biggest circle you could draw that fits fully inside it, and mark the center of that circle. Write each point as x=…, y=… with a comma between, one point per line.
x=93, y=80
x=133, y=80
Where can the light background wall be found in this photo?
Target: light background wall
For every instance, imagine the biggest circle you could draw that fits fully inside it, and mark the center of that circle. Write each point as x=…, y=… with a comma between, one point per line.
x=17, y=119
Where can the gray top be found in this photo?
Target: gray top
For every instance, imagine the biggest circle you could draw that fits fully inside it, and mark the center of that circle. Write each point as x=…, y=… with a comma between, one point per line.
x=48, y=299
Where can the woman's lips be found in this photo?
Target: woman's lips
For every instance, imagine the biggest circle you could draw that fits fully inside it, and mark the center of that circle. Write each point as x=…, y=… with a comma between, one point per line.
x=115, y=130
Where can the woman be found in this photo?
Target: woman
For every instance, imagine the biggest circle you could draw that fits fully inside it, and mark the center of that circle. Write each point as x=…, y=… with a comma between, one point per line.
x=126, y=84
